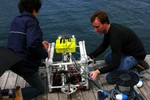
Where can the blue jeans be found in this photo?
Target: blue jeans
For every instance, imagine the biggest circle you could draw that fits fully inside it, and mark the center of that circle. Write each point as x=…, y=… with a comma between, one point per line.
x=127, y=62
x=36, y=88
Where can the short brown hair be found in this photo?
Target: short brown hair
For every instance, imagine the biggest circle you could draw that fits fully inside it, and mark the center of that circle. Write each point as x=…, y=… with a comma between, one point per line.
x=101, y=15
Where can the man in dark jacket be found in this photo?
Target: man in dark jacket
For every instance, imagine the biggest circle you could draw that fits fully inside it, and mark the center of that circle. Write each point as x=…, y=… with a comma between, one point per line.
x=126, y=48
x=26, y=41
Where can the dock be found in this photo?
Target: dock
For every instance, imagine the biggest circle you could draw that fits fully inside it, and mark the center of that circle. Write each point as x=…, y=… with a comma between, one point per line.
x=11, y=80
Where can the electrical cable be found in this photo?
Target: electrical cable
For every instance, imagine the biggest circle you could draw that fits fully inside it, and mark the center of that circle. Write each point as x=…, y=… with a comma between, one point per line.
x=86, y=75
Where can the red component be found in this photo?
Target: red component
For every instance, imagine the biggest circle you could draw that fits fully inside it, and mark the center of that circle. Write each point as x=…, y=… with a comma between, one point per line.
x=81, y=87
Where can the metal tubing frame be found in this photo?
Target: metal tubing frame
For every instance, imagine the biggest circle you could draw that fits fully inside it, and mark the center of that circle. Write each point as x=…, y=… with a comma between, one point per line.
x=49, y=64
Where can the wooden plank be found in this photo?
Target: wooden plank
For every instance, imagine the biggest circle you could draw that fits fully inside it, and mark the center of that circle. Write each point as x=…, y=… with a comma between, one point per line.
x=94, y=90
x=52, y=96
x=146, y=77
x=63, y=96
x=104, y=83
x=147, y=59
x=20, y=82
x=145, y=91
x=42, y=97
x=76, y=96
x=147, y=82
x=88, y=95
x=3, y=79
x=11, y=80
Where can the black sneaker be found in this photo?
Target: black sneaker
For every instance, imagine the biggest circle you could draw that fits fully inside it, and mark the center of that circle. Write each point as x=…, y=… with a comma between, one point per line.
x=142, y=65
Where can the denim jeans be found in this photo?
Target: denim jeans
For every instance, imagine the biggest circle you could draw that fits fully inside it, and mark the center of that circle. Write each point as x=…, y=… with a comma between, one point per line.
x=127, y=62
x=36, y=88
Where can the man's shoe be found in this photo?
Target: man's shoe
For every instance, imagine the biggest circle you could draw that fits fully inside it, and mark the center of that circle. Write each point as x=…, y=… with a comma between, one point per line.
x=142, y=65
x=140, y=83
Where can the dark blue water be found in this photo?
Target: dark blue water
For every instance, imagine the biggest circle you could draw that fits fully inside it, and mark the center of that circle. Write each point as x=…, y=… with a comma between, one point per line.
x=58, y=17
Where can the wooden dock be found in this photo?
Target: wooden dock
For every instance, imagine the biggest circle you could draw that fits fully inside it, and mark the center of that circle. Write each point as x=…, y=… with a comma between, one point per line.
x=11, y=80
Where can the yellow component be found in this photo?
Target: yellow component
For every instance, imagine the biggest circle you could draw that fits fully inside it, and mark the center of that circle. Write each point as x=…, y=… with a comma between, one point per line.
x=65, y=45
x=18, y=95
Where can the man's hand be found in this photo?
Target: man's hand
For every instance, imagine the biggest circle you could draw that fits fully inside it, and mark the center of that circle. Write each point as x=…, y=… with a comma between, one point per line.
x=94, y=74
x=45, y=44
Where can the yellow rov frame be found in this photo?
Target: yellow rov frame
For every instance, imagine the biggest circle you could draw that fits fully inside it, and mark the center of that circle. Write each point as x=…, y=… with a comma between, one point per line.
x=66, y=47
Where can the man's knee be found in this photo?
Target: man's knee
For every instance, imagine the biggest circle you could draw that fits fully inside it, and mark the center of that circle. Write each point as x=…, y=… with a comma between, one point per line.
x=108, y=57
x=128, y=63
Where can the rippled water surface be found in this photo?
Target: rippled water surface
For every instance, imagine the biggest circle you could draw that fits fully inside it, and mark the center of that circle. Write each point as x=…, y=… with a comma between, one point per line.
x=58, y=17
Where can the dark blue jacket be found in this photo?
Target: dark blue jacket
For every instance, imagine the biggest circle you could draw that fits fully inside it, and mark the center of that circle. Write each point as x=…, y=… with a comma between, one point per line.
x=25, y=37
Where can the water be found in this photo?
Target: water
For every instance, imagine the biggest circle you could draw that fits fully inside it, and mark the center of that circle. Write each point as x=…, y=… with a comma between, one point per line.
x=58, y=17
